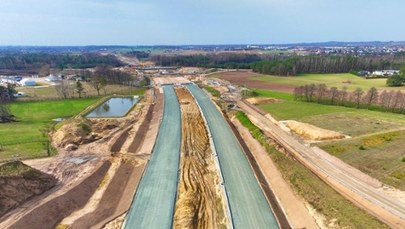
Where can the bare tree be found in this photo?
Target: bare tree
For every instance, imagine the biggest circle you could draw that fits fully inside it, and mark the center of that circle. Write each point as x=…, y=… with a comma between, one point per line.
x=79, y=88
x=45, y=70
x=321, y=90
x=63, y=89
x=334, y=92
x=357, y=94
x=372, y=96
x=98, y=83
x=343, y=96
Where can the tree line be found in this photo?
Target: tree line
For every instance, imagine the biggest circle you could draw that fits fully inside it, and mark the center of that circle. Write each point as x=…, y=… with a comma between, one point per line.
x=283, y=65
x=34, y=61
x=393, y=101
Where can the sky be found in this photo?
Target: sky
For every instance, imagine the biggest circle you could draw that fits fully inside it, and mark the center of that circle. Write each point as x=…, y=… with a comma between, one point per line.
x=183, y=22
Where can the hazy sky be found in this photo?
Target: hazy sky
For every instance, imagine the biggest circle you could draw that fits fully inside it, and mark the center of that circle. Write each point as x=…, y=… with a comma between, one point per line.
x=143, y=22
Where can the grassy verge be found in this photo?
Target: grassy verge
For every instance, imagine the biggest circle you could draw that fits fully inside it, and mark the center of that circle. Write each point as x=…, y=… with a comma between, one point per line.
x=26, y=136
x=322, y=197
x=214, y=92
x=380, y=156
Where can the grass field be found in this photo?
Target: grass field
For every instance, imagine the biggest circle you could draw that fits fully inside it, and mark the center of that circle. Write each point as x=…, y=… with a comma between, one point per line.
x=381, y=156
x=350, y=121
x=23, y=137
x=39, y=93
x=322, y=197
x=331, y=80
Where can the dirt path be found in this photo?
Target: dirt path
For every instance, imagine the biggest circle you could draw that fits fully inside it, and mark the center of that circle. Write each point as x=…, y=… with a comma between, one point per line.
x=199, y=203
x=243, y=78
x=52, y=212
x=376, y=201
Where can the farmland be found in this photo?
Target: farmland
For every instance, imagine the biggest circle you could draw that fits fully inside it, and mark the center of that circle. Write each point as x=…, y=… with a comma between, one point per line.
x=33, y=120
x=287, y=84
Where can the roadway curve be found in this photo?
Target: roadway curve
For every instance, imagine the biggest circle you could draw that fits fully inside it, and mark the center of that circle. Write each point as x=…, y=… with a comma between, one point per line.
x=387, y=208
x=248, y=205
x=155, y=198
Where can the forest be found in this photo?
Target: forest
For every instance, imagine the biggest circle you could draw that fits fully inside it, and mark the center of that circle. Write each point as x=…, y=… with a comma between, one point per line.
x=283, y=65
x=32, y=62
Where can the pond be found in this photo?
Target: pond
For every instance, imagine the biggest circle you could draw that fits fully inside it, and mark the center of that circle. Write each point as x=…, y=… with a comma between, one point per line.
x=114, y=107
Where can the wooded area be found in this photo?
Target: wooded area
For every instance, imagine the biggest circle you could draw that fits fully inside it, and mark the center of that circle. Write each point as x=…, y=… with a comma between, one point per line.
x=283, y=65
x=34, y=61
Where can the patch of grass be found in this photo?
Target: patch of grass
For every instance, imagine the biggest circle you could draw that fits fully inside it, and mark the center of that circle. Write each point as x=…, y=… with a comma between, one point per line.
x=332, y=80
x=322, y=197
x=378, y=155
x=34, y=121
x=14, y=169
x=214, y=92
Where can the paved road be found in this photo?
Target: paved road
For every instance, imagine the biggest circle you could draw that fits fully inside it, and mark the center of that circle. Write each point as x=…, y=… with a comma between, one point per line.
x=394, y=213
x=155, y=198
x=248, y=205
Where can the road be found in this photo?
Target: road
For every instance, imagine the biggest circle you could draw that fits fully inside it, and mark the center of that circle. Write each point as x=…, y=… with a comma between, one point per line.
x=388, y=208
x=248, y=205
x=155, y=198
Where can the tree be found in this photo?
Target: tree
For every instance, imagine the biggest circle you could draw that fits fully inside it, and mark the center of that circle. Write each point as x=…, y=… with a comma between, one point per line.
x=98, y=83
x=371, y=96
x=395, y=80
x=63, y=89
x=45, y=70
x=5, y=98
x=358, y=93
x=343, y=95
x=79, y=88
x=334, y=92
x=321, y=92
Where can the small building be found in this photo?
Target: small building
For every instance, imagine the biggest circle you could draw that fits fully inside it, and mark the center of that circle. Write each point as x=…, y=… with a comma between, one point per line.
x=52, y=78
x=28, y=82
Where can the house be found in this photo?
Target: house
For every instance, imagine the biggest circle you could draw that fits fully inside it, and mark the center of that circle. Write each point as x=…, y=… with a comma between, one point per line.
x=28, y=82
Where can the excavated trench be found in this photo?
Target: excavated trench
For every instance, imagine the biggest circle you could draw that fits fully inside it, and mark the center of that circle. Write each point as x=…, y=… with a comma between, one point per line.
x=199, y=201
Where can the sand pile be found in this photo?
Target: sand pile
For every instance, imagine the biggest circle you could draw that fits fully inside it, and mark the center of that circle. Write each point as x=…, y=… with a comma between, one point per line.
x=258, y=101
x=310, y=132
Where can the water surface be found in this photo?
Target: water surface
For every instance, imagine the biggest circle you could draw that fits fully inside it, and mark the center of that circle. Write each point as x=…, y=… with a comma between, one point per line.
x=114, y=107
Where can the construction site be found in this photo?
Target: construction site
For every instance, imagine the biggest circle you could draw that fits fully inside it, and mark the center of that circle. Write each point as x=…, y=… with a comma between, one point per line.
x=178, y=160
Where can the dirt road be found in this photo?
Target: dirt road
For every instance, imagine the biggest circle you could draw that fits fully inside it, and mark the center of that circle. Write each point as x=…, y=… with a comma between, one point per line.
x=389, y=209
x=199, y=203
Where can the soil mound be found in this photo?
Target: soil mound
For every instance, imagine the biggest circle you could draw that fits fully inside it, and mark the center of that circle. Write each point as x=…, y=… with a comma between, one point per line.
x=19, y=183
x=258, y=101
x=310, y=132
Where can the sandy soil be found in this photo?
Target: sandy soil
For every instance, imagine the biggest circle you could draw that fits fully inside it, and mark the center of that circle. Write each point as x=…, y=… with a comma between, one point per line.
x=242, y=78
x=311, y=132
x=258, y=101
x=199, y=202
x=292, y=205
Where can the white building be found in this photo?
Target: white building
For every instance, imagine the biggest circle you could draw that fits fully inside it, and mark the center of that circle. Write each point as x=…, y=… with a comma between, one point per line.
x=28, y=82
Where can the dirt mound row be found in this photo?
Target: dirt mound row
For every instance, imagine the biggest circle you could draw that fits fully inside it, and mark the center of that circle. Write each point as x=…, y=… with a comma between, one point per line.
x=310, y=132
x=52, y=212
x=199, y=203
x=19, y=182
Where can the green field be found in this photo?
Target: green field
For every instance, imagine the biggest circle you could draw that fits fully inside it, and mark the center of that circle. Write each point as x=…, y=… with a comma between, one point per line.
x=331, y=80
x=44, y=93
x=34, y=118
x=377, y=146
x=350, y=121
x=382, y=156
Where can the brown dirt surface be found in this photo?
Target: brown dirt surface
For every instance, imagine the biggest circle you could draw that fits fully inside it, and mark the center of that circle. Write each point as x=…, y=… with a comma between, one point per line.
x=258, y=101
x=49, y=214
x=199, y=203
x=243, y=78
x=19, y=182
x=110, y=199
x=311, y=132
x=141, y=133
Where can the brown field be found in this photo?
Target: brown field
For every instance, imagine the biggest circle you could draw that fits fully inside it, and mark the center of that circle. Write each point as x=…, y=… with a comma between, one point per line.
x=242, y=78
